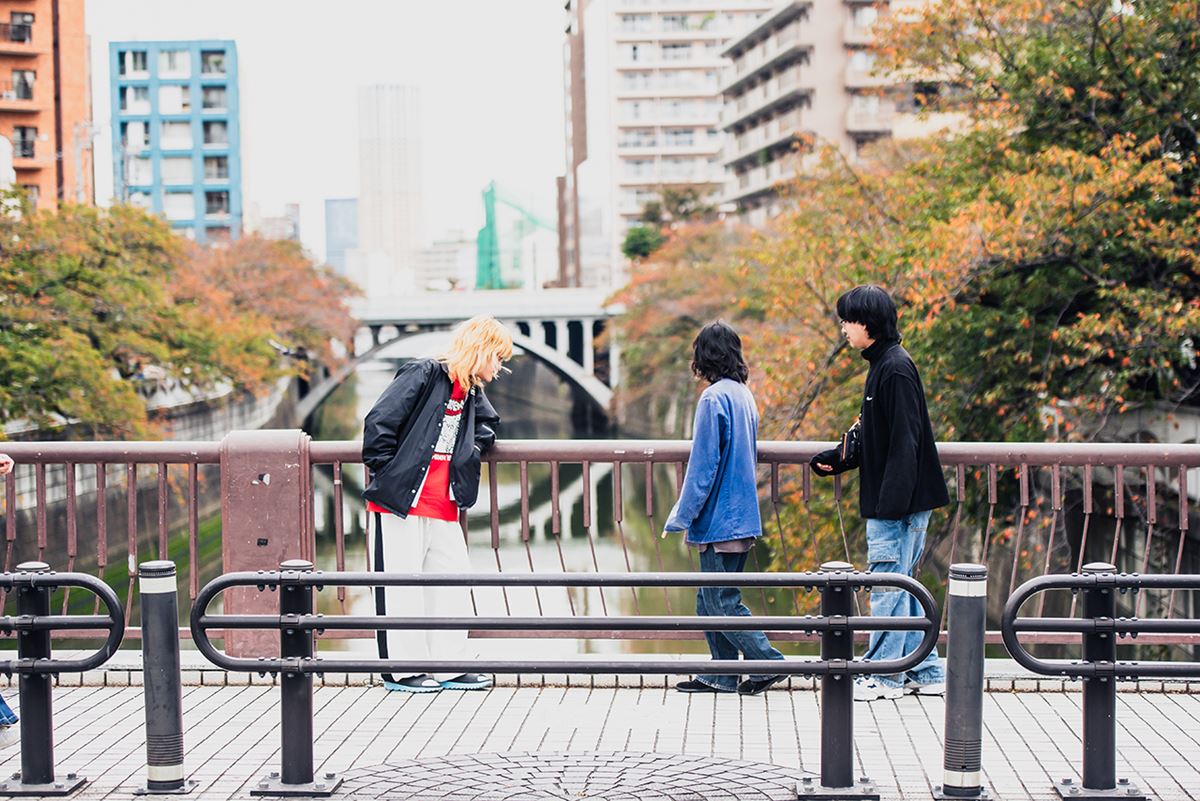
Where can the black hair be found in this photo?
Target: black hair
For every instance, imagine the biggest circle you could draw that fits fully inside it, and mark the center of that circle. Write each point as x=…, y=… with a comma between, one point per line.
x=717, y=354
x=871, y=306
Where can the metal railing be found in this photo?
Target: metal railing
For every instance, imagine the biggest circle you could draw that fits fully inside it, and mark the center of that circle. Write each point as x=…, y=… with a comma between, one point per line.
x=35, y=666
x=1024, y=509
x=1099, y=628
x=297, y=623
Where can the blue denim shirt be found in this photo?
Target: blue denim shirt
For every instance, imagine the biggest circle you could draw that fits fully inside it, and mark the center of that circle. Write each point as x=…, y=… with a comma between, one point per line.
x=719, y=500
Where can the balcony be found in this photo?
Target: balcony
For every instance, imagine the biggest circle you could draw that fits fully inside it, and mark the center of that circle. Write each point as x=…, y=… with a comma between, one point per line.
x=776, y=131
x=779, y=47
x=17, y=97
x=762, y=179
x=864, y=78
x=16, y=39
x=870, y=120
x=762, y=98
x=858, y=34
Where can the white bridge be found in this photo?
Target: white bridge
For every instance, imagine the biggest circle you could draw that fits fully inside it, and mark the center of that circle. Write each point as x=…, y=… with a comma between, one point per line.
x=558, y=327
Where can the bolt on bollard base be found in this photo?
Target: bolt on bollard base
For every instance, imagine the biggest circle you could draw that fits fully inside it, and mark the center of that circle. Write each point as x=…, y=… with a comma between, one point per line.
x=837, y=704
x=296, y=711
x=15, y=787
x=1070, y=789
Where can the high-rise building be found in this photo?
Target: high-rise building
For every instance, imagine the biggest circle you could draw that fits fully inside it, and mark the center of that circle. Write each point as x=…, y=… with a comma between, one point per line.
x=448, y=263
x=285, y=226
x=176, y=133
x=804, y=73
x=643, y=84
x=390, y=219
x=45, y=99
x=341, y=231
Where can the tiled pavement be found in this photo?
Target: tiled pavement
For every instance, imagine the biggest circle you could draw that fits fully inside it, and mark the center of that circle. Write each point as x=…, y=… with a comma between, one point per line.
x=232, y=734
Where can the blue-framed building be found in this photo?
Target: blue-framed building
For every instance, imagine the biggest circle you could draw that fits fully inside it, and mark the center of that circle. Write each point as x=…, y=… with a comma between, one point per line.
x=177, y=134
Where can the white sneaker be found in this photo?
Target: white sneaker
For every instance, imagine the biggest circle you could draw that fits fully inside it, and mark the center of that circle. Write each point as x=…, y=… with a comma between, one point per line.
x=873, y=690
x=9, y=736
x=919, y=688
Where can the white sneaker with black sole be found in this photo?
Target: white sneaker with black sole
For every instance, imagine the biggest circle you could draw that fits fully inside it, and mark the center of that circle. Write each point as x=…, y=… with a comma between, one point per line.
x=9, y=736
x=871, y=689
x=921, y=688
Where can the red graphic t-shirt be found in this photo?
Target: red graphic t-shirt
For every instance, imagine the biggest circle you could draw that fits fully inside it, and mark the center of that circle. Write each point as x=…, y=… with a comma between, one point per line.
x=433, y=497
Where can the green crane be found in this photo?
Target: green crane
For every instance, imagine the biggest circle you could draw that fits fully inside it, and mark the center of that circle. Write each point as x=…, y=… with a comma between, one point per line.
x=489, y=265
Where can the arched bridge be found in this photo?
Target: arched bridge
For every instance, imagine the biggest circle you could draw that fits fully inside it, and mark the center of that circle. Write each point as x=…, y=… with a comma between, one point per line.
x=558, y=327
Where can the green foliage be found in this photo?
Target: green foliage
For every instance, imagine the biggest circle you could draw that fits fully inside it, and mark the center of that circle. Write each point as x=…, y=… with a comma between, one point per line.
x=641, y=241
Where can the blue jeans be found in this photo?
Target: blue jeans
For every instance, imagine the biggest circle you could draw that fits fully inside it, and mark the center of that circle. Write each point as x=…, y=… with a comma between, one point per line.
x=895, y=546
x=727, y=602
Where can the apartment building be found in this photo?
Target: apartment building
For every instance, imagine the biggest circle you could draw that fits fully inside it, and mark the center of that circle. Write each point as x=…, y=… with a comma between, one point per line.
x=45, y=99
x=803, y=77
x=176, y=133
x=643, y=92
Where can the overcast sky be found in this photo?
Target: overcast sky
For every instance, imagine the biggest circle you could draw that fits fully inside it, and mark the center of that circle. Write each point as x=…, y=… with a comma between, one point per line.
x=490, y=73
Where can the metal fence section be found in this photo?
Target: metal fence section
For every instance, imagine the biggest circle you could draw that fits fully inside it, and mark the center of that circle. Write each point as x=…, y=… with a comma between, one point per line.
x=35, y=666
x=297, y=623
x=1023, y=509
x=1099, y=627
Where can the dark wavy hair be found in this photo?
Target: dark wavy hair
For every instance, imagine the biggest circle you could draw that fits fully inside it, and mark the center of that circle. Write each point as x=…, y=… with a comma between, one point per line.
x=717, y=354
x=871, y=306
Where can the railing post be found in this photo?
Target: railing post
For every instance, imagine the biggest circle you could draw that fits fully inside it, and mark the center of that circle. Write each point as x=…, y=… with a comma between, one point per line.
x=837, y=699
x=967, y=621
x=37, y=710
x=162, y=679
x=296, y=701
x=1099, y=700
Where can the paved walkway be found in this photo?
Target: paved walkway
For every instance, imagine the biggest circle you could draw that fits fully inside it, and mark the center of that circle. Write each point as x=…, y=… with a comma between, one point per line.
x=232, y=735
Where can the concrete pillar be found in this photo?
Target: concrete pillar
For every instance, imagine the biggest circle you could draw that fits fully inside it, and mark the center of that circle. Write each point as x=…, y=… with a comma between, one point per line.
x=589, y=347
x=562, y=338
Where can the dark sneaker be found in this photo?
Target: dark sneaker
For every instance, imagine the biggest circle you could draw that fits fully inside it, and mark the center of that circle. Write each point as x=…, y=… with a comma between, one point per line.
x=697, y=686
x=423, y=683
x=468, y=681
x=756, y=686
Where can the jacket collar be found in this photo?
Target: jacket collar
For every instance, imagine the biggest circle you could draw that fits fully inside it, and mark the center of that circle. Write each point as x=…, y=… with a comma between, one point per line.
x=878, y=348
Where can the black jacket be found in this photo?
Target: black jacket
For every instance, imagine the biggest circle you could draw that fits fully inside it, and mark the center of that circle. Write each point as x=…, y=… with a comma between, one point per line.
x=899, y=471
x=402, y=430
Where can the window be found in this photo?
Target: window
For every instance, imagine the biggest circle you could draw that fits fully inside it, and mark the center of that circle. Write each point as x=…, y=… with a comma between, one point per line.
x=20, y=29
x=135, y=136
x=176, y=136
x=219, y=234
x=216, y=203
x=636, y=109
x=140, y=200
x=214, y=98
x=865, y=16
x=637, y=137
x=676, y=22
x=24, y=137
x=32, y=193
x=174, y=99
x=680, y=137
x=216, y=132
x=212, y=62
x=636, y=80
x=639, y=168
x=177, y=170
x=635, y=52
x=635, y=23
x=139, y=171
x=133, y=62
x=22, y=84
x=174, y=64
x=216, y=168
x=135, y=99
x=862, y=61
x=179, y=206
x=676, y=52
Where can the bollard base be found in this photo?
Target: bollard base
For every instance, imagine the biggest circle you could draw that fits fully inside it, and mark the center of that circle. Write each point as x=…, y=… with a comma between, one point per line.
x=273, y=786
x=940, y=793
x=1068, y=789
x=15, y=787
x=862, y=790
x=188, y=786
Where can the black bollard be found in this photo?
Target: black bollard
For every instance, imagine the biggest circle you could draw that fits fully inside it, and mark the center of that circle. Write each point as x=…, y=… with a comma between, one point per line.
x=1100, y=699
x=296, y=701
x=837, y=698
x=162, y=679
x=963, y=760
x=37, y=712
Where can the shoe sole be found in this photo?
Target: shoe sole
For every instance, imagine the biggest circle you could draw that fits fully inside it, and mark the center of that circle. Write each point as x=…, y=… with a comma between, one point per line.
x=925, y=691
x=401, y=688
x=706, y=690
x=768, y=686
x=456, y=685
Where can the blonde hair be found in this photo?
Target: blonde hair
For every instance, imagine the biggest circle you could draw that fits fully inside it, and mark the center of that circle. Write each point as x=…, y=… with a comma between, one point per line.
x=475, y=343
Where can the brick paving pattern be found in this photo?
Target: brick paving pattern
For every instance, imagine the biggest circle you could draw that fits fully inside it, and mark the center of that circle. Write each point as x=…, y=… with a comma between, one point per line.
x=232, y=738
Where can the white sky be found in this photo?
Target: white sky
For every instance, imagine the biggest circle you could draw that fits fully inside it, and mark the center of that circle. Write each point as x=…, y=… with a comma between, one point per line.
x=490, y=73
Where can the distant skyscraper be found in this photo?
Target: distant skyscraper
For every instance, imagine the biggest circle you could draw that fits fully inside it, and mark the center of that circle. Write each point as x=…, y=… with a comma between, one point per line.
x=46, y=99
x=390, y=224
x=176, y=133
x=341, y=231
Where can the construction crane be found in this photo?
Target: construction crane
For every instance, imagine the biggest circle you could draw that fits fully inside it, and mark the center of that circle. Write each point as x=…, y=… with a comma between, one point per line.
x=491, y=270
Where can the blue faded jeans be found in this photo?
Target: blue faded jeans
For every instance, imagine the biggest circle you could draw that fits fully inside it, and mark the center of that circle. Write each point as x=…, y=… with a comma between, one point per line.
x=895, y=546
x=727, y=602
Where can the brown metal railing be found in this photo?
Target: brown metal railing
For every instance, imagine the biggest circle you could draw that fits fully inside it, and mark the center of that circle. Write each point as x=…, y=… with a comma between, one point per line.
x=1026, y=508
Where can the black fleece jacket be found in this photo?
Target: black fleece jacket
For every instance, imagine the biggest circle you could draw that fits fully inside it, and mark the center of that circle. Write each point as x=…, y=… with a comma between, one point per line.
x=899, y=470
x=402, y=429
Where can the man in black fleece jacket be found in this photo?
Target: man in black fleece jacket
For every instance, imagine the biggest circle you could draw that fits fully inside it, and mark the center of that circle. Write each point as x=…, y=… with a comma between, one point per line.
x=900, y=481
